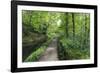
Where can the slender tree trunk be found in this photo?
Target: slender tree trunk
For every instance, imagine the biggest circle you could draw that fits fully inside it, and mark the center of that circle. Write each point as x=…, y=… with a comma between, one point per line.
x=85, y=23
x=67, y=34
x=73, y=21
x=30, y=21
x=86, y=30
x=81, y=34
x=30, y=17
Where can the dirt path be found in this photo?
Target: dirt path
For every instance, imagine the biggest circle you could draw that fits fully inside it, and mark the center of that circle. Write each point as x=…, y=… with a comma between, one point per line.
x=51, y=52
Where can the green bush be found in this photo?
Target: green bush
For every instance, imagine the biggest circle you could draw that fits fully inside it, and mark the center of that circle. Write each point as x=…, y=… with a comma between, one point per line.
x=69, y=49
x=34, y=56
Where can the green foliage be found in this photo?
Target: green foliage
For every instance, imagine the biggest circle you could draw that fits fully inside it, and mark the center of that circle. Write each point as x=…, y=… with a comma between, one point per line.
x=77, y=46
x=35, y=55
x=31, y=42
x=69, y=49
x=71, y=29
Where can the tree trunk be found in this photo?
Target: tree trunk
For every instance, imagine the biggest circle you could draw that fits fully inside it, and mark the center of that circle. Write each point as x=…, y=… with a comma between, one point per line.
x=30, y=18
x=86, y=31
x=67, y=34
x=73, y=21
x=81, y=34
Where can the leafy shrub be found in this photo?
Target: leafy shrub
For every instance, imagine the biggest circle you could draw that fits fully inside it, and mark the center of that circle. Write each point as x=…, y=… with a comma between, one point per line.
x=31, y=42
x=34, y=56
x=69, y=49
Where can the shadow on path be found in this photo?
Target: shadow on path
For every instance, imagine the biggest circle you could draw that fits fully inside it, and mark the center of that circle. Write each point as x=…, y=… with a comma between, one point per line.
x=51, y=52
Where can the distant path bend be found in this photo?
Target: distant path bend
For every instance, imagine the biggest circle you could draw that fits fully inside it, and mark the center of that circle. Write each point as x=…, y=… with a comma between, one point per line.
x=51, y=52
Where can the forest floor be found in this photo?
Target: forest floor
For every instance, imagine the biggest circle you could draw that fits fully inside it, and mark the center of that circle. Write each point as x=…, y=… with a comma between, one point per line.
x=51, y=52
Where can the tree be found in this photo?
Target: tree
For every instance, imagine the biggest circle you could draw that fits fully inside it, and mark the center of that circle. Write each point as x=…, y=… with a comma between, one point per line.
x=73, y=21
x=67, y=33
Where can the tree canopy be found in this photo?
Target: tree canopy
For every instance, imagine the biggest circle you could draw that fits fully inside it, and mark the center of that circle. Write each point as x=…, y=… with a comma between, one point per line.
x=71, y=29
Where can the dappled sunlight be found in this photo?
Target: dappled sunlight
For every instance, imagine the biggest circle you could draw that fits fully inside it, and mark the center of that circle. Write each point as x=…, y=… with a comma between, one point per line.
x=59, y=22
x=51, y=36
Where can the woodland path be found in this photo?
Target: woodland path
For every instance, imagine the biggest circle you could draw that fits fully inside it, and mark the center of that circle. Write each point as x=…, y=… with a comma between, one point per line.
x=51, y=52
